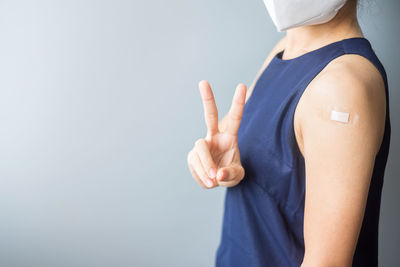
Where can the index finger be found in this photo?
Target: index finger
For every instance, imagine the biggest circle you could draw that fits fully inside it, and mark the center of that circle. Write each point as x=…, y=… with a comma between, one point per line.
x=210, y=108
x=236, y=110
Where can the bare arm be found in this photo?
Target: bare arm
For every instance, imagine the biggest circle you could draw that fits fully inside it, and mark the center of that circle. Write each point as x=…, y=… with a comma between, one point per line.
x=277, y=48
x=339, y=157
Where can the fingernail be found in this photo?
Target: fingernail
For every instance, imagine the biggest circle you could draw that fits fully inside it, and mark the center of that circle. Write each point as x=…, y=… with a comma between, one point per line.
x=209, y=183
x=219, y=176
x=212, y=173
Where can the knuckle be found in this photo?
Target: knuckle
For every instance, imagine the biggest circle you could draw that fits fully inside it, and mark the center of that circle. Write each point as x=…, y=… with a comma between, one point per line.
x=234, y=182
x=205, y=187
x=208, y=99
x=243, y=172
x=204, y=178
x=227, y=184
x=211, y=114
x=235, y=116
x=198, y=142
x=197, y=179
x=200, y=183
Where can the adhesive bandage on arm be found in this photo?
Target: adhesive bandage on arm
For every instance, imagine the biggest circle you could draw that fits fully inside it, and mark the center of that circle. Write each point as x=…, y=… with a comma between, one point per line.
x=340, y=116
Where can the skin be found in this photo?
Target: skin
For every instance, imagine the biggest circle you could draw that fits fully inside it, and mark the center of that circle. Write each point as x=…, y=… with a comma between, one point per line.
x=339, y=157
x=215, y=159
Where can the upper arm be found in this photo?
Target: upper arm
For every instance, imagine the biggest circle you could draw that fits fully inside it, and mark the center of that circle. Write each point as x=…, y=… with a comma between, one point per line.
x=339, y=157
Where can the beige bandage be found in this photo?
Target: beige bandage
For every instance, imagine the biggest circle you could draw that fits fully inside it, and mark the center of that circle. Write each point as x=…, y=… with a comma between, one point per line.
x=339, y=116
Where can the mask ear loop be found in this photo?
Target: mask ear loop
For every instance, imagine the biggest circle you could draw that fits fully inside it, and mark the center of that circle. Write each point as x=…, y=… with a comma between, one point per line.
x=340, y=116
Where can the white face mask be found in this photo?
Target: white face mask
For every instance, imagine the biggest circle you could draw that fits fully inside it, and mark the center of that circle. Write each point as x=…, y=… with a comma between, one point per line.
x=288, y=14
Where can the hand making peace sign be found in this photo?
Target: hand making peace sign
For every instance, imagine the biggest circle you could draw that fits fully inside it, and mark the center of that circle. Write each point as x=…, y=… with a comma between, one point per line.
x=215, y=159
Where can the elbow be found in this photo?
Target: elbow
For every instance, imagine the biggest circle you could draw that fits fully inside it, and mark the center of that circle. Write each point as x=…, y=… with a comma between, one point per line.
x=337, y=262
x=325, y=264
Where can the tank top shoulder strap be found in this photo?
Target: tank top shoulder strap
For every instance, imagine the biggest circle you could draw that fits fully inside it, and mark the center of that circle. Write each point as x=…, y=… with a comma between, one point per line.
x=361, y=46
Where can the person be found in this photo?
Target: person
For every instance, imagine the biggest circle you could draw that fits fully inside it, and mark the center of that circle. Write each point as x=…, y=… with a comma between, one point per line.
x=302, y=152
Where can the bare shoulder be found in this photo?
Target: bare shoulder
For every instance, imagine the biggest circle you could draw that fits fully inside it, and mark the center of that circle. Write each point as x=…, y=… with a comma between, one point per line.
x=353, y=68
x=349, y=79
x=349, y=84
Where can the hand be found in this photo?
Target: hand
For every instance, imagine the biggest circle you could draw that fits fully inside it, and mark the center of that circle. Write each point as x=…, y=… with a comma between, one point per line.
x=215, y=159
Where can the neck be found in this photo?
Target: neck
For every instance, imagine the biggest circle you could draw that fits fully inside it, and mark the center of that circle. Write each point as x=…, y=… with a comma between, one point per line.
x=301, y=40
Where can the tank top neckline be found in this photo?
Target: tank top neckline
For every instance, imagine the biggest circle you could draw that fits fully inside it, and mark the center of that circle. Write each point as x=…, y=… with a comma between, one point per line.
x=278, y=56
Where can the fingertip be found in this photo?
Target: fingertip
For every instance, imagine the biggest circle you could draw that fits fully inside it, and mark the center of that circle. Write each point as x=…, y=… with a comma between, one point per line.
x=242, y=85
x=244, y=89
x=241, y=91
x=203, y=83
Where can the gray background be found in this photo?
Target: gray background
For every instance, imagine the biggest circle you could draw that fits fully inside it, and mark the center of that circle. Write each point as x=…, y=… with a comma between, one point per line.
x=99, y=107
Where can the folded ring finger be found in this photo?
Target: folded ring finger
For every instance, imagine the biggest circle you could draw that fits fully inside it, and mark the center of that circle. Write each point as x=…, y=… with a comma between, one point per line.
x=199, y=169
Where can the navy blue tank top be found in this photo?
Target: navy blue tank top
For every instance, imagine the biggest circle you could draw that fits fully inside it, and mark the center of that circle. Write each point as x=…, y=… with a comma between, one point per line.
x=263, y=214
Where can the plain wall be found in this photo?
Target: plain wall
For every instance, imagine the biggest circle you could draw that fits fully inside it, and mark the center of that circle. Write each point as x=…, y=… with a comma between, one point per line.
x=99, y=106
